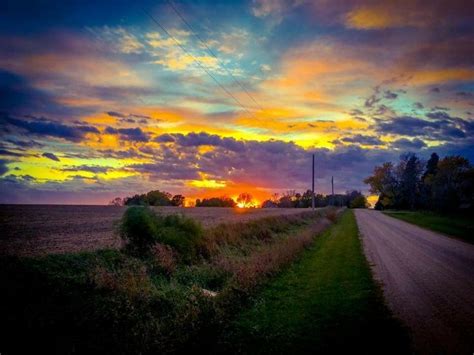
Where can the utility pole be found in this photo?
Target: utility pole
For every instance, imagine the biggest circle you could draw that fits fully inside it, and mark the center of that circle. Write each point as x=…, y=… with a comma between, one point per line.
x=312, y=188
x=332, y=188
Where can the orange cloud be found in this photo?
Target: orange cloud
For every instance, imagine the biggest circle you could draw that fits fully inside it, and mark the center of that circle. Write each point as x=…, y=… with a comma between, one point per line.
x=382, y=16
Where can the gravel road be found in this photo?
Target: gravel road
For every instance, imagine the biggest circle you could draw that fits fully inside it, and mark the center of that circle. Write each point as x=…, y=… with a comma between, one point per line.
x=428, y=281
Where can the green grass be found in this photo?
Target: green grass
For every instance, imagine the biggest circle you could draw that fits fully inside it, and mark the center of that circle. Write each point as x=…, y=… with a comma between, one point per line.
x=461, y=227
x=327, y=302
x=111, y=301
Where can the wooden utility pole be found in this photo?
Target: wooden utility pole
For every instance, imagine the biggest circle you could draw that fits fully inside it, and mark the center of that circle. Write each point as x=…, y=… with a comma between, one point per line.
x=312, y=188
x=332, y=188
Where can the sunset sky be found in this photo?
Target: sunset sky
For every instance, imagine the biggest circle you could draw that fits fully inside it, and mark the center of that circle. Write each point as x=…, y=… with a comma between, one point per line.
x=97, y=100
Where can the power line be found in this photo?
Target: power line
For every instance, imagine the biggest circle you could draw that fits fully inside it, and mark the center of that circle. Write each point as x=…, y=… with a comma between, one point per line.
x=197, y=62
x=211, y=52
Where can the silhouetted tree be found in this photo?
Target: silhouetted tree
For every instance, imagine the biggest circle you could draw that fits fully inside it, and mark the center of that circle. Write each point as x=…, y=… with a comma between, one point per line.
x=135, y=200
x=293, y=199
x=446, y=184
x=116, y=202
x=410, y=169
x=355, y=199
x=359, y=201
x=244, y=199
x=269, y=204
x=285, y=202
x=306, y=199
x=177, y=200
x=431, y=165
x=216, y=202
x=158, y=198
x=384, y=184
x=427, y=181
x=151, y=198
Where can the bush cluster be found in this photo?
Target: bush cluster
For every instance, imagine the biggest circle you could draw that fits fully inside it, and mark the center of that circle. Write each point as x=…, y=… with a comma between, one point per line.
x=142, y=229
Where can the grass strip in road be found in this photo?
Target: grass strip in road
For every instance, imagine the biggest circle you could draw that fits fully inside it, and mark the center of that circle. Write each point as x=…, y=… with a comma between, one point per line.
x=461, y=227
x=326, y=302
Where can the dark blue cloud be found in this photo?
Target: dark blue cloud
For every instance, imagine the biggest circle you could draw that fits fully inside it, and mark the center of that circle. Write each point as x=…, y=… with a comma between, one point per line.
x=19, y=97
x=202, y=138
x=6, y=152
x=51, y=156
x=465, y=94
x=89, y=168
x=406, y=125
x=116, y=114
x=131, y=134
x=362, y=139
x=3, y=167
x=390, y=95
x=440, y=108
x=371, y=101
x=408, y=145
x=129, y=117
x=22, y=144
x=45, y=127
x=165, y=138
x=198, y=139
x=16, y=93
x=439, y=115
x=440, y=126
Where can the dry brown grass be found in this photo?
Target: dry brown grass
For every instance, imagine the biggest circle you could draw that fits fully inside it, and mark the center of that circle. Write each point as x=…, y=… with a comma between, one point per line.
x=261, y=230
x=332, y=214
x=131, y=280
x=250, y=269
x=164, y=257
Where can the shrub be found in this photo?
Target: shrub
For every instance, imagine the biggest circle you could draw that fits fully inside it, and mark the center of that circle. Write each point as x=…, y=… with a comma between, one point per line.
x=141, y=228
x=180, y=232
x=164, y=258
x=359, y=202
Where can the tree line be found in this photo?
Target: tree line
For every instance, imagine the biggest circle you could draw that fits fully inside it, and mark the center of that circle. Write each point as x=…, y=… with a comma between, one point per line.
x=289, y=199
x=438, y=184
x=293, y=199
x=151, y=198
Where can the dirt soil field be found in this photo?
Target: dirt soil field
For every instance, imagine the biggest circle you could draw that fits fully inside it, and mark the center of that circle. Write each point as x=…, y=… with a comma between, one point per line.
x=41, y=229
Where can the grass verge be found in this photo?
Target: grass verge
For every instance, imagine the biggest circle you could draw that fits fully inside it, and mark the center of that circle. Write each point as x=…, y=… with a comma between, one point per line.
x=115, y=301
x=327, y=302
x=461, y=227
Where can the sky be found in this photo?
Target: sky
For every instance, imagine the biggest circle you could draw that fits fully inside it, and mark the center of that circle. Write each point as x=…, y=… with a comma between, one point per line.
x=100, y=99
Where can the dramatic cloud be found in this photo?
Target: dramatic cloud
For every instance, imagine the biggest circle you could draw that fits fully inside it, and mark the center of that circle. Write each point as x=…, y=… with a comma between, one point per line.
x=362, y=139
x=127, y=110
x=50, y=156
x=87, y=168
x=408, y=145
x=441, y=126
x=131, y=134
x=45, y=127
